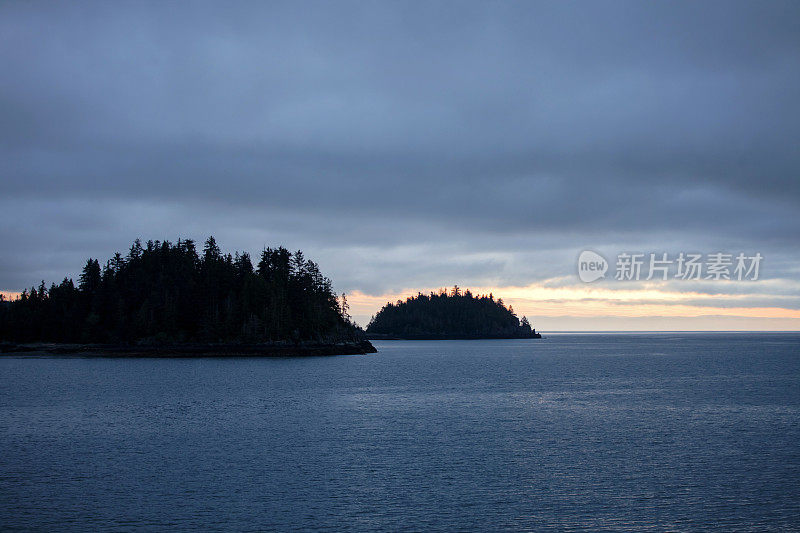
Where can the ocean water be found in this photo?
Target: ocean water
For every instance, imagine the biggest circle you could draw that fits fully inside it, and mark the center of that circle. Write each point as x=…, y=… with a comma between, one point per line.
x=573, y=432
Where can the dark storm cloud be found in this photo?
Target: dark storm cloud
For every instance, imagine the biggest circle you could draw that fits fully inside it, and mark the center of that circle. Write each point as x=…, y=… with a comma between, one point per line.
x=370, y=127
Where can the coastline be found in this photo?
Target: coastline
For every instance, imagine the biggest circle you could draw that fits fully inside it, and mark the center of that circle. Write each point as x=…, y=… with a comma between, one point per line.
x=443, y=337
x=285, y=349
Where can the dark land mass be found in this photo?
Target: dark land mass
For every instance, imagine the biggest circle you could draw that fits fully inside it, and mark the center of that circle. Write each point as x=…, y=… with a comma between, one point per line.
x=442, y=337
x=191, y=350
x=165, y=299
x=449, y=315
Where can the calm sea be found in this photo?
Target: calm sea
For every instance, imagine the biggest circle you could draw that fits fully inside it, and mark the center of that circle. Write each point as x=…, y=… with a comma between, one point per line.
x=574, y=432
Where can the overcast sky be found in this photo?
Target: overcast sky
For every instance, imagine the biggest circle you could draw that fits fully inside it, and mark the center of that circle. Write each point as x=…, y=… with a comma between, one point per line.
x=410, y=145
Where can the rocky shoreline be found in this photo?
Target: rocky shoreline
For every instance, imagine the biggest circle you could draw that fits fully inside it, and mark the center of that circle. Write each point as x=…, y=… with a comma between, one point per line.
x=302, y=349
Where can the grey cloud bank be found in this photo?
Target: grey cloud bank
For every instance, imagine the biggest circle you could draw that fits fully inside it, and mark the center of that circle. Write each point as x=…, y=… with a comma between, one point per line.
x=403, y=144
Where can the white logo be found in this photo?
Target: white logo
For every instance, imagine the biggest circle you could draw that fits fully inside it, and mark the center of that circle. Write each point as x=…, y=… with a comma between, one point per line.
x=591, y=266
x=662, y=266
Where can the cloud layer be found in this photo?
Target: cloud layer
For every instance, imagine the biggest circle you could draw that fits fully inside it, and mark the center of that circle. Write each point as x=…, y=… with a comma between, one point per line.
x=403, y=145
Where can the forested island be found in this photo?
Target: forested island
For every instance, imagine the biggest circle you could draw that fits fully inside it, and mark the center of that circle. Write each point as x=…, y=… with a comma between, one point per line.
x=449, y=315
x=165, y=298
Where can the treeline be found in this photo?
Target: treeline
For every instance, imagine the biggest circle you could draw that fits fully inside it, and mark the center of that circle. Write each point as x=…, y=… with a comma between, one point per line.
x=457, y=314
x=165, y=292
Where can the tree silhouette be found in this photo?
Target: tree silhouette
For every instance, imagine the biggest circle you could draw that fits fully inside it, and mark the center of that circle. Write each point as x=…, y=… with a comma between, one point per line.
x=457, y=314
x=165, y=292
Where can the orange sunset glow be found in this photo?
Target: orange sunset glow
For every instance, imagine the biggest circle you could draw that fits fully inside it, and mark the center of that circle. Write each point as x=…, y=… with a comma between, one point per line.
x=560, y=308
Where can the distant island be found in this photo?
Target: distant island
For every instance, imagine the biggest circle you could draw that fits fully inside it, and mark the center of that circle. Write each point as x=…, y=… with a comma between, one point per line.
x=165, y=299
x=449, y=315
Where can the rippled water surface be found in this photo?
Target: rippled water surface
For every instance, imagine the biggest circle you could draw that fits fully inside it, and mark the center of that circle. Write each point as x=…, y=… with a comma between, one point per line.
x=584, y=432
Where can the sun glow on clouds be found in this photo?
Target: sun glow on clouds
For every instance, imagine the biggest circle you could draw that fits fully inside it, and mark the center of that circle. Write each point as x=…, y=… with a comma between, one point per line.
x=559, y=306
